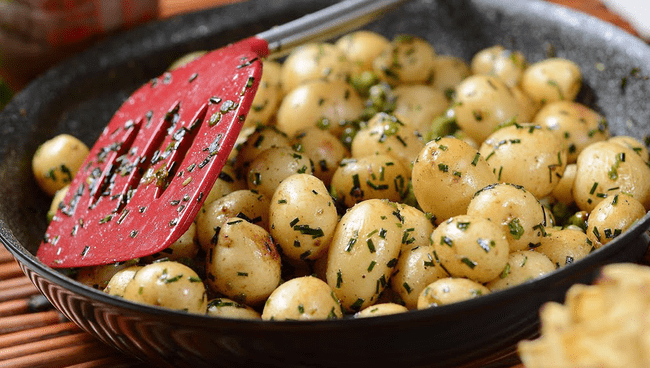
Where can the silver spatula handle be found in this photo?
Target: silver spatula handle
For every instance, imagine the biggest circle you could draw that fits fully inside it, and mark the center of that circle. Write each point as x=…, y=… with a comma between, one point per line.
x=324, y=24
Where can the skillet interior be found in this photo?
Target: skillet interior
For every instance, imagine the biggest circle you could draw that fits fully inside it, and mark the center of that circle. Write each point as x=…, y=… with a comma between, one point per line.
x=80, y=95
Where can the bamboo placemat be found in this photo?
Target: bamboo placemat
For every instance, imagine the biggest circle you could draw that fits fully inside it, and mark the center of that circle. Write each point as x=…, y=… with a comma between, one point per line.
x=33, y=334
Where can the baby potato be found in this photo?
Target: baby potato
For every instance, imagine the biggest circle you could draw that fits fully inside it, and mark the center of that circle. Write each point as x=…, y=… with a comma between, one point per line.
x=419, y=104
x=575, y=124
x=244, y=265
x=446, y=174
x=389, y=135
x=57, y=161
x=364, y=253
x=521, y=216
x=563, y=191
x=274, y=165
x=227, y=182
x=57, y=200
x=633, y=144
x=118, y=282
x=228, y=308
x=314, y=61
x=97, y=277
x=361, y=48
x=325, y=150
x=267, y=98
x=186, y=247
x=611, y=217
x=407, y=59
x=374, y=176
x=522, y=266
x=505, y=64
x=263, y=138
x=565, y=246
x=416, y=267
x=245, y=204
x=528, y=107
x=328, y=105
x=169, y=285
x=527, y=155
x=302, y=298
x=450, y=290
x=605, y=169
x=471, y=246
x=303, y=217
x=482, y=103
x=553, y=79
x=381, y=309
x=448, y=72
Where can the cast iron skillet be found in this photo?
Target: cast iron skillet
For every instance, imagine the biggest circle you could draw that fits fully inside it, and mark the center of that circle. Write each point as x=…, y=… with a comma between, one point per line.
x=79, y=96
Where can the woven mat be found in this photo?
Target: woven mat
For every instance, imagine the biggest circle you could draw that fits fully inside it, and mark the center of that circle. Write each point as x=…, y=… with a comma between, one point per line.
x=32, y=334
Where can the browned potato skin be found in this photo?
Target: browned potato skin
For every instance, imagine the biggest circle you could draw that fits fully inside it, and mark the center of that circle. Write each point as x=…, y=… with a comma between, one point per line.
x=446, y=174
x=612, y=217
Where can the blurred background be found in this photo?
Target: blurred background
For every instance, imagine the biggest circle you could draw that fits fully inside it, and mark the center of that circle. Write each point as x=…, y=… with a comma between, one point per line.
x=36, y=34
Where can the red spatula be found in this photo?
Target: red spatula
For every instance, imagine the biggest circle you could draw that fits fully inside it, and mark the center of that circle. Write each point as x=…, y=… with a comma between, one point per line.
x=147, y=175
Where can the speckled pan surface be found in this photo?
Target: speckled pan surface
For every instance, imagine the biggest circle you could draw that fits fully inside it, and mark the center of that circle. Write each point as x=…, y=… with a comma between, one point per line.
x=80, y=95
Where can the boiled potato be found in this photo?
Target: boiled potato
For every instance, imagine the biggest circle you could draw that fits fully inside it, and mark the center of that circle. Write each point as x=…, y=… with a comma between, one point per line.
x=446, y=174
x=267, y=98
x=228, y=308
x=527, y=155
x=273, y=165
x=611, y=217
x=450, y=290
x=244, y=265
x=522, y=266
x=482, y=103
x=528, y=107
x=328, y=105
x=324, y=149
x=56, y=162
x=57, y=202
x=553, y=79
x=605, y=169
x=633, y=144
x=505, y=64
x=471, y=247
x=416, y=265
x=387, y=134
x=575, y=124
x=243, y=203
x=98, y=277
x=361, y=48
x=565, y=246
x=227, y=182
x=448, y=72
x=419, y=104
x=170, y=285
x=302, y=298
x=374, y=176
x=408, y=59
x=521, y=216
x=364, y=252
x=303, y=217
x=263, y=138
x=314, y=61
x=563, y=191
x=381, y=309
x=117, y=284
x=186, y=247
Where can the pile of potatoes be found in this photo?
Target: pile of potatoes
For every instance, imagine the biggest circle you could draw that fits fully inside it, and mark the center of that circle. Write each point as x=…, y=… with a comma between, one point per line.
x=376, y=176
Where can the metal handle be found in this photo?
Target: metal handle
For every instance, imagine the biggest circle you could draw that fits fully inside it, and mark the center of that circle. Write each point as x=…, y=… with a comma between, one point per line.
x=326, y=23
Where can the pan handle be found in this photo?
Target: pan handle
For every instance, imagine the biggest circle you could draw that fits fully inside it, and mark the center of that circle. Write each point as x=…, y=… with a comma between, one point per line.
x=324, y=24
